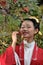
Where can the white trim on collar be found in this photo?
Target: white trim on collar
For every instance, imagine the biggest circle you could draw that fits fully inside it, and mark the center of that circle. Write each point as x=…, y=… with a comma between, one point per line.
x=26, y=44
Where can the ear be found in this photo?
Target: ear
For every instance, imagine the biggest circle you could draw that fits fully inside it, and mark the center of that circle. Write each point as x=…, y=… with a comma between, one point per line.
x=36, y=30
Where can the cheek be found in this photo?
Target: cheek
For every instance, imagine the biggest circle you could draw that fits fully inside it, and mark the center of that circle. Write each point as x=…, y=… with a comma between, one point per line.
x=31, y=31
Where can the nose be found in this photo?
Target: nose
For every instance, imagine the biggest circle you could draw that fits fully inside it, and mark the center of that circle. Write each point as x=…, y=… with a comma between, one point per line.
x=23, y=29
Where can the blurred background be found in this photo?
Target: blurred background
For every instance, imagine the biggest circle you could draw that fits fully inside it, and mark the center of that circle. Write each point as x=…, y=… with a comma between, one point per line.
x=11, y=14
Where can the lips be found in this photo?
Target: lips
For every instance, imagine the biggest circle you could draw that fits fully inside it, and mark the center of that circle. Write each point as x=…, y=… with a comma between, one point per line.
x=25, y=33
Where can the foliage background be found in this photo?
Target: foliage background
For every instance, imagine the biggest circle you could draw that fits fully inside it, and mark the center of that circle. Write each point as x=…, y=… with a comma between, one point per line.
x=11, y=14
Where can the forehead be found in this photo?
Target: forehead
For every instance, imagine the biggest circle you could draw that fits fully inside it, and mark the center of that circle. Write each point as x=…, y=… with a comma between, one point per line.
x=27, y=22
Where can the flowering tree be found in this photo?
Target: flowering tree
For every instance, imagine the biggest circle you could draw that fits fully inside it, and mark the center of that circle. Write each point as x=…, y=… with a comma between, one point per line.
x=11, y=12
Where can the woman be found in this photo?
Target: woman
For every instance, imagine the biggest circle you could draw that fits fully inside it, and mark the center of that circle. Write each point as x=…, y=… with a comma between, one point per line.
x=27, y=53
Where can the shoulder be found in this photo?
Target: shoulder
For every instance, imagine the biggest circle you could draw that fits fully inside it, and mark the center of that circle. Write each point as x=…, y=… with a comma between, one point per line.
x=40, y=50
x=40, y=53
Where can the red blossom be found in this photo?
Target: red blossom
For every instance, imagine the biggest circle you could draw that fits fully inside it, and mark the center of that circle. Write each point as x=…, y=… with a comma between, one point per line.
x=14, y=1
x=3, y=3
x=26, y=9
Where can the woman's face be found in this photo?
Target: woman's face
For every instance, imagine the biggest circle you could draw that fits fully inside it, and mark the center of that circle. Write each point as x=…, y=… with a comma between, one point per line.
x=27, y=29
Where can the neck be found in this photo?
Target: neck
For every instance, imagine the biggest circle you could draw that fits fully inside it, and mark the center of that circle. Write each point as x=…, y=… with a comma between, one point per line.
x=29, y=39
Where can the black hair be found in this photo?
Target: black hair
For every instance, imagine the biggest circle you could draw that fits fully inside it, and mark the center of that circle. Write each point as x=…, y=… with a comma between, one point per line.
x=35, y=23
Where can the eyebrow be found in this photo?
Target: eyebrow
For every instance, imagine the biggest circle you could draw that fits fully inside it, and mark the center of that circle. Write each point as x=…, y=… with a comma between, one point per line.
x=25, y=25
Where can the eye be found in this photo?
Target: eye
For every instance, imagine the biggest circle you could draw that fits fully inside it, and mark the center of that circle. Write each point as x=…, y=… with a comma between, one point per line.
x=28, y=27
x=22, y=27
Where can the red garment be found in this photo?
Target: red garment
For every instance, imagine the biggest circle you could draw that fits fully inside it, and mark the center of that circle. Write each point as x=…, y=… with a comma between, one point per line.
x=8, y=57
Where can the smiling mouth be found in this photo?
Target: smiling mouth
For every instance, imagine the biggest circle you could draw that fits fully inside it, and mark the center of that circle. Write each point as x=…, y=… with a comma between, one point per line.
x=25, y=33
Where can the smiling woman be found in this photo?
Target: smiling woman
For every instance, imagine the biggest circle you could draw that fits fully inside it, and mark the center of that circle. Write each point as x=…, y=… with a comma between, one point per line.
x=27, y=53
x=29, y=28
